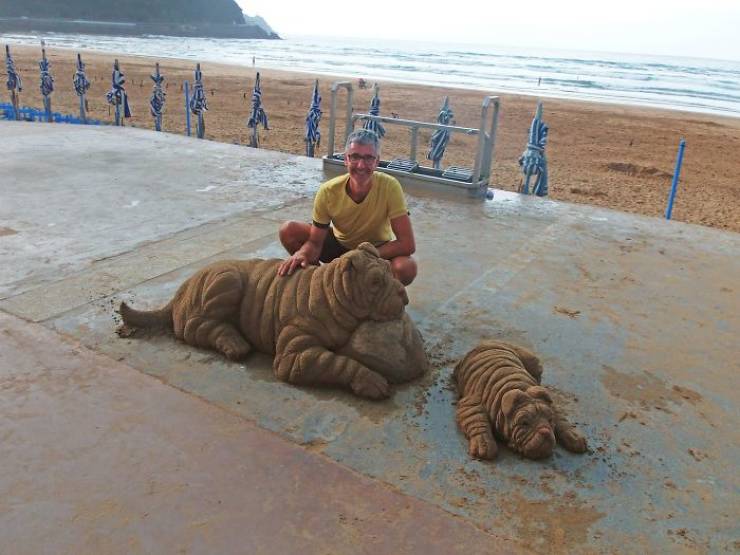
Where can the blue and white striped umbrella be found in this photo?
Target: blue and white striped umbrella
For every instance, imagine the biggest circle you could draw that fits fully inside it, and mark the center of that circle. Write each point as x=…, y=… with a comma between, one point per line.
x=157, y=100
x=313, y=134
x=198, y=103
x=117, y=96
x=371, y=124
x=80, y=79
x=47, y=81
x=14, y=82
x=440, y=137
x=533, y=161
x=258, y=113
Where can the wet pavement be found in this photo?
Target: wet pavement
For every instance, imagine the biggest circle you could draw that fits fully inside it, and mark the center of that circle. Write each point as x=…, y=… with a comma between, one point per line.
x=636, y=321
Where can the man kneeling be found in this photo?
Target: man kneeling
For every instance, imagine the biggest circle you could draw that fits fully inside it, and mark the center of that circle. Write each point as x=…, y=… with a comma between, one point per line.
x=361, y=205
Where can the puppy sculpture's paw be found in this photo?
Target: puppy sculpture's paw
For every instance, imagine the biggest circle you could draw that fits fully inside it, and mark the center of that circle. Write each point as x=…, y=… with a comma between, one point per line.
x=233, y=348
x=572, y=440
x=482, y=446
x=371, y=385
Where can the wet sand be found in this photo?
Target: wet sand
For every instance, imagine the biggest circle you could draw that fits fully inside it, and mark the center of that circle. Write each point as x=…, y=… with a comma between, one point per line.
x=621, y=157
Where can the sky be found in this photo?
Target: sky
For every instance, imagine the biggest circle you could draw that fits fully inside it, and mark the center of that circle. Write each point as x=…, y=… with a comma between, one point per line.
x=696, y=28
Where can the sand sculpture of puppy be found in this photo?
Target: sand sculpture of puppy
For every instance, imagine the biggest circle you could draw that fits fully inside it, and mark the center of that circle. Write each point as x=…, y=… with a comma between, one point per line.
x=500, y=396
x=305, y=319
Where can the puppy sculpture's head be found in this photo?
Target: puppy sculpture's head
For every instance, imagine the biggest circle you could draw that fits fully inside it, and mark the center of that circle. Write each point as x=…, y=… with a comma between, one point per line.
x=529, y=421
x=368, y=279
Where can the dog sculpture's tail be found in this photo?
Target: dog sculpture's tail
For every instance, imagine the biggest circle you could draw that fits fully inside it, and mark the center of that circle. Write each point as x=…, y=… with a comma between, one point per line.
x=161, y=318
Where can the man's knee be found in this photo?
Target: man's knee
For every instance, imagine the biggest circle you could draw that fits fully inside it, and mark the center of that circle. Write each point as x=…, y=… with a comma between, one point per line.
x=293, y=234
x=404, y=269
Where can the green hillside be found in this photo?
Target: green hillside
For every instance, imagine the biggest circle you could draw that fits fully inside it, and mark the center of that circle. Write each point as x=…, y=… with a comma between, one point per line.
x=140, y=11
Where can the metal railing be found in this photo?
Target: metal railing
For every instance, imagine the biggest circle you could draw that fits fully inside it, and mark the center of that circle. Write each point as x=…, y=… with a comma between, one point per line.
x=486, y=133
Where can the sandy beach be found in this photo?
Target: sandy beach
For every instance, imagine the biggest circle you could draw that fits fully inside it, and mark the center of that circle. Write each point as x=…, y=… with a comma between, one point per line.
x=620, y=157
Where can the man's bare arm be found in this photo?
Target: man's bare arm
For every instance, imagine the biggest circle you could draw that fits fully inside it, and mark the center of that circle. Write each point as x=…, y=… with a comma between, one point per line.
x=308, y=254
x=404, y=244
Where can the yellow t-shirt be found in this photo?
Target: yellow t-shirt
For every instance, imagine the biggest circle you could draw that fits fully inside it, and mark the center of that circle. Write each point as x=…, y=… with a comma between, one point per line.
x=369, y=220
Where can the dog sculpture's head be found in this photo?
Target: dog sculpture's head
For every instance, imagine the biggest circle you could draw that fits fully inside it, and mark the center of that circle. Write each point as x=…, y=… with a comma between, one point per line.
x=368, y=281
x=530, y=421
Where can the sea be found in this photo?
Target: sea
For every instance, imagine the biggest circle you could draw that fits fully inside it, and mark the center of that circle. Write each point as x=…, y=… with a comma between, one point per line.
x=691, y=84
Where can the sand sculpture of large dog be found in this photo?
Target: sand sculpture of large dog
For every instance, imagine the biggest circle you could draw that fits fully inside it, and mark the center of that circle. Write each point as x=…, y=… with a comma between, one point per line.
x=501, y=396
x=340, y=324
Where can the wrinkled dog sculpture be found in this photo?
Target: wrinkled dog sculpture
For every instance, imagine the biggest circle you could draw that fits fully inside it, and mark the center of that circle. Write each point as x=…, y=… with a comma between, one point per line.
x=500, y=396
x=321, y=323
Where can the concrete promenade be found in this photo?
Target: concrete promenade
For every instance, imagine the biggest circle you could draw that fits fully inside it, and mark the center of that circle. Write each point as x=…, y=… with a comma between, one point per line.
x=145, y=445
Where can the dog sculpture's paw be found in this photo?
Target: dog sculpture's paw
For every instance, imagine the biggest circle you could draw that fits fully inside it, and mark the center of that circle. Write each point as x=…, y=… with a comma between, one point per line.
x=371, y=386
x=482, y=446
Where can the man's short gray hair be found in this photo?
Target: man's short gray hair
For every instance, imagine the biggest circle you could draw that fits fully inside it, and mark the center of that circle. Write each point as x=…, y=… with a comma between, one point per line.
x=363, y=137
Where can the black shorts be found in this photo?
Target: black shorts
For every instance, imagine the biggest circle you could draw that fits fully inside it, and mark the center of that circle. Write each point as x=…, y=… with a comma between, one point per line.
x=332, y=247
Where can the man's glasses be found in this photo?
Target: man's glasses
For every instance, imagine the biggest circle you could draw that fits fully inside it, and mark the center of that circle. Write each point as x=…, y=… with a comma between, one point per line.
x=367, y=158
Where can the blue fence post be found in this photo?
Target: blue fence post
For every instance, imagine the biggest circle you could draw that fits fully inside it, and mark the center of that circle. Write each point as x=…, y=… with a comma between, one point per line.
x=674, y=185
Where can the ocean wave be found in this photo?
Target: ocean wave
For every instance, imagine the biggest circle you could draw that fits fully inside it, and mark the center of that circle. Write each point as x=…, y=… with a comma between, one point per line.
x=681, y=83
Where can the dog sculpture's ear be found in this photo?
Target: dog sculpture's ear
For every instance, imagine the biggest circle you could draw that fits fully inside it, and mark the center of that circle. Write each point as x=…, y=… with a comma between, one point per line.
x=539, y=392
x=511, y=400
x=368, y=247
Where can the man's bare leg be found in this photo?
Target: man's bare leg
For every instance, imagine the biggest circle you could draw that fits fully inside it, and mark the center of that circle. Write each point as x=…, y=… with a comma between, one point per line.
x=293, y=234
x=404, y=269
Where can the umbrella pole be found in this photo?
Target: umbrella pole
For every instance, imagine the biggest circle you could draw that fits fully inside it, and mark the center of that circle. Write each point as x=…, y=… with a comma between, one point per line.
x=201, y=126
x=47, y=100
x=13, y=95
x=83, y=116
x=157, y=89
x=14, y=101
x=525, y=188
x=186, y=86
x=47, y=108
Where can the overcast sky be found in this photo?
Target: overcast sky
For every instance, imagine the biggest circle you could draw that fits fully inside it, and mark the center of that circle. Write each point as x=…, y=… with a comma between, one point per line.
x=701, y=28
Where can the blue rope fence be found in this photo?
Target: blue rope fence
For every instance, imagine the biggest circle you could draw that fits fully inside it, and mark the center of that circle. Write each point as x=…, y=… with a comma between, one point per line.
x=34, y=114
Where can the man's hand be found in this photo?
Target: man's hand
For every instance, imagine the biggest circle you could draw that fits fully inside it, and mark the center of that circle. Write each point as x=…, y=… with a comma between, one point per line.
x=297, y=260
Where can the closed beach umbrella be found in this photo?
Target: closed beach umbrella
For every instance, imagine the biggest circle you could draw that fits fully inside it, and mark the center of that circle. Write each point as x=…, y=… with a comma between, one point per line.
x=533, y=161
x=258, y=114
x=313, y=135
x=371, y=124
x=81, y=85
x=156, y=101
x=117, y=96
x=14, y=83
x=47, y=82
x=440, y=137
x=198, y=104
